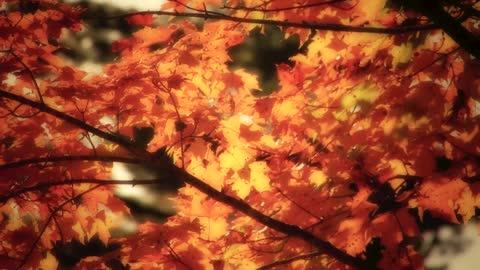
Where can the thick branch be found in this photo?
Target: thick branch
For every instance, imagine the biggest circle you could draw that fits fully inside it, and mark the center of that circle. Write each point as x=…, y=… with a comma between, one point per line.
x=171, y=169
x=454, y=29
x=303, y=24
x=435, y=12
x=291, y=230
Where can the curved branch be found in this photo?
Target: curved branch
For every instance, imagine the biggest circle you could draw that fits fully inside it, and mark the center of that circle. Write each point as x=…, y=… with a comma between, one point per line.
x=288, y=229
x=172, y=169
x=303, y=24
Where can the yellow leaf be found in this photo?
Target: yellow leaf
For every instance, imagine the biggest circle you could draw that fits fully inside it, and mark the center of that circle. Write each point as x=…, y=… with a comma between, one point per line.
x=234, y=158
x=268, y=141
x=77, y=227
x=398, y=167
x=371, y=9
x=319, y=48
x=210, y=173
x=402, y=54
x=340, y=115
x=230, y=128
x=360, y=97
x=48, y=263
x=466, y=205
x=286, y=109
x=318, y=178
x=258, y=177
x=103, y=231
x=242, y=187
x=237, y=257
x=214, y=228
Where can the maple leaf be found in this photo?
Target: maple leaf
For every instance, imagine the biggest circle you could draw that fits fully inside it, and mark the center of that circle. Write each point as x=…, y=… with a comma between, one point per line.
x=141, y=19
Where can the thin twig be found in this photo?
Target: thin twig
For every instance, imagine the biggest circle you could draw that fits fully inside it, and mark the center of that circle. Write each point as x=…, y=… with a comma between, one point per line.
x=175, y=255
x=285, y=8
x=26, y=162
x=30, y=73
x=290, y=260
x=51, y=216
x=46, y=185
x=297, y=204
x=72, y=120
x=403, y=238
x=179, y=118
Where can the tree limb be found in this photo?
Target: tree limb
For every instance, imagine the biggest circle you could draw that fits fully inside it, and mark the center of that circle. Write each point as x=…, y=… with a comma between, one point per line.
x=454, y=28
x=303, y=24
x=171, y=169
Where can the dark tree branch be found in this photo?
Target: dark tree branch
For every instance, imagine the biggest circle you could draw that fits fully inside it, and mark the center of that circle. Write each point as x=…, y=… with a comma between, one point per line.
x=454, y=28
x=70, y=119
x=170, y=169
x=303, y=24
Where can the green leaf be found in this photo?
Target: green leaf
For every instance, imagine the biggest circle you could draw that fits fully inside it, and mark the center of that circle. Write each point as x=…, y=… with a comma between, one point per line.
x=142, y=136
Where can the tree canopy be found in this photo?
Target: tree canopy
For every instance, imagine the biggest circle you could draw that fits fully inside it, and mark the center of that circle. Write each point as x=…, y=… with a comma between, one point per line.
x=307, y=134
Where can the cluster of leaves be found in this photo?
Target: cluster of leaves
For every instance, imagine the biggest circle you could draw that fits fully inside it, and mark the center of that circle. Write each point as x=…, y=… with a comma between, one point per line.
x=374, y=124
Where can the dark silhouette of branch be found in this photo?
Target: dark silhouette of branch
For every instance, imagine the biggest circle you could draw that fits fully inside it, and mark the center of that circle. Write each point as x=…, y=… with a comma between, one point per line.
x=172, y=170
x=290, y=260
x=176, y=256
x=25, y=162
x=454, y=28
x=288, y=229
x=302, y=24
x=70, y=119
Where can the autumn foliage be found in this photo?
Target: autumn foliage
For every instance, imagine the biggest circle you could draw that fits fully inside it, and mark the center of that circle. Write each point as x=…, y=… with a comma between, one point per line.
x=370, y=135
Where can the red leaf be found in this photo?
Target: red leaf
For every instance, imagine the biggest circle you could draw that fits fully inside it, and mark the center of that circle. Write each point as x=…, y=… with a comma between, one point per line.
x=174, y=81
x=121, y=45
x=141, y=19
